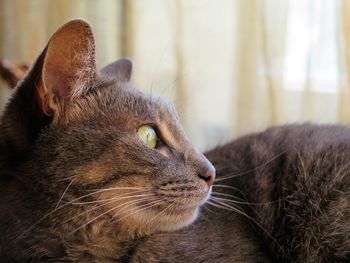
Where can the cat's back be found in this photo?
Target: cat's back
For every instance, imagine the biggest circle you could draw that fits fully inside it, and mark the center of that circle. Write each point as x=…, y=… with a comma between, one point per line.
x=291, y=147
x=298, y=177
x=291, y=139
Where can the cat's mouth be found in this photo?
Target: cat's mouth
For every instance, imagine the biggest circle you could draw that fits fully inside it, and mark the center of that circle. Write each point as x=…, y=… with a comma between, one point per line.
x=183, y=210
x=185, y=198
x=163, y=212
x=188, y=205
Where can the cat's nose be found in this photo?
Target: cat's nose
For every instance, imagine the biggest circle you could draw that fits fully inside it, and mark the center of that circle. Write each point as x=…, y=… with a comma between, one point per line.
x=208, y=175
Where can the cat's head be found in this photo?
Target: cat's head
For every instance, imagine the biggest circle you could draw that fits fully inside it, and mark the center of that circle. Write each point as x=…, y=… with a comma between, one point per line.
x=90, y=141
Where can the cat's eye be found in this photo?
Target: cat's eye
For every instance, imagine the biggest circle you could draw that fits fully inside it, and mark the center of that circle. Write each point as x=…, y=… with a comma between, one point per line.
x=148, y=135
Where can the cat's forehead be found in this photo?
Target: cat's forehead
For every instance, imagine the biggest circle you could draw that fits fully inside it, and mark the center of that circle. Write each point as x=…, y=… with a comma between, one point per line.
x=124, y=103
x=130, y=100
x=123, y=106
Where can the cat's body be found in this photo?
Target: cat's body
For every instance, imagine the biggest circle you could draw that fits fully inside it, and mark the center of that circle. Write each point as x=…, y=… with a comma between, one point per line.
x=93, y=170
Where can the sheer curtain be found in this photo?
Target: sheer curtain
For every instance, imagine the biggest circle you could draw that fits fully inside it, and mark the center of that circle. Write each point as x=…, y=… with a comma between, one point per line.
x=230, y=67
x=344, y=70
x=242, y=66
x=26, y=25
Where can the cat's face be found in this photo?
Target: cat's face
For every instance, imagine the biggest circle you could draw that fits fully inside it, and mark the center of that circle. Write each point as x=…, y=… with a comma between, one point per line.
x=109, y=148
x=132, y=145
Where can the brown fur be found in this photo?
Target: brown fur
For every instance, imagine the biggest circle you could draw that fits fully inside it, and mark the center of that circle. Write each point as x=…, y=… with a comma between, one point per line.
x=68, y=143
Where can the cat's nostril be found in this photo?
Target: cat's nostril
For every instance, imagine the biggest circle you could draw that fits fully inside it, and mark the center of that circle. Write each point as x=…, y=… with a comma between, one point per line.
x=208, y=176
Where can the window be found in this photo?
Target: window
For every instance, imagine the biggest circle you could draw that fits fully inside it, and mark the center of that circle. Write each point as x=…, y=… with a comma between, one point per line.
x=311, y=46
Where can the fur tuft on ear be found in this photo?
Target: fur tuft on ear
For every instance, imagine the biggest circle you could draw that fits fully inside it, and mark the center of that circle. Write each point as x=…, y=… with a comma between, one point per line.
x=63, y=72
x=120, y=70
x=69, y=66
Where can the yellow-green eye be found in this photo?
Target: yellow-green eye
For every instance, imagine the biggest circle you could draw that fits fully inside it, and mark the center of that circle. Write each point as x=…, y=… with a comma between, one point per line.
x=148, y=135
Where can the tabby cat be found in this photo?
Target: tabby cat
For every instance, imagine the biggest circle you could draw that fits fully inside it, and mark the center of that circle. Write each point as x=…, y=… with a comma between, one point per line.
x=94, y=170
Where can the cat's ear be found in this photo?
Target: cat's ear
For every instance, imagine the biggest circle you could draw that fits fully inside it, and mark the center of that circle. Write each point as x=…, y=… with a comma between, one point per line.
x=120, y=70
x=63, y=72
x=11, y=72
x=69, y=67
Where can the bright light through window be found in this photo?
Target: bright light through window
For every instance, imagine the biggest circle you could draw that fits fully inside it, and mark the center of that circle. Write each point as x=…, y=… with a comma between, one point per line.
x=311, y=46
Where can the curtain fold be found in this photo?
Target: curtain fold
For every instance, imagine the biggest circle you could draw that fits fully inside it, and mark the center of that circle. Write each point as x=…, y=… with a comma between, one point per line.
x=273, y=44
x=344, y=62
x=229, y=68
x=260, y=54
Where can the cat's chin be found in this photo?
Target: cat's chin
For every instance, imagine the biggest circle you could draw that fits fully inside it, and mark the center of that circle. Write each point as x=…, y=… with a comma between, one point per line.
x=178, y=218
x=165, y=218
x=188, y=218
x=181, y=216
x=149, y=222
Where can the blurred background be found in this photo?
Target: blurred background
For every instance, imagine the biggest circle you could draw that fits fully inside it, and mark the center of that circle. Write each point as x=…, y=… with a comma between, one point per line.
x=229, y=66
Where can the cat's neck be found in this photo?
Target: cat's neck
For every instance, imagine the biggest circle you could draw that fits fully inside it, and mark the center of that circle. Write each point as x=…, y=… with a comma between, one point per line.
x=102, y=240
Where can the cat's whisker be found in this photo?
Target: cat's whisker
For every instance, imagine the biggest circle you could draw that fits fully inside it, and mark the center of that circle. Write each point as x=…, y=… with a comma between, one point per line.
x=225, y=199
x=229, y=187
x=223, y=205
x=68, y=178
x=207, y=208
x=123, y=196
x=98, y=192
x=139, y=209
x=88, y=211
x=229, y=207
x=228, y=195
x=119, y=188
x=130, y=204
x=226, y=186
x=233, y=175
x=144, y=198
x=201, y=215
x=57, y=209
x=107, y=203
x=101, y=215
x=155, y=73
x=220, y=205
x=169, y=85
x=241, y=202
x=65, y=191
x=94, y=219
x=161, y=212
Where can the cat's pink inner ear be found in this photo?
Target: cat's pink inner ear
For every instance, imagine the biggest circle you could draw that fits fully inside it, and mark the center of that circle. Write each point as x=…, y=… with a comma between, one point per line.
x=69, y=67
x=119, y=70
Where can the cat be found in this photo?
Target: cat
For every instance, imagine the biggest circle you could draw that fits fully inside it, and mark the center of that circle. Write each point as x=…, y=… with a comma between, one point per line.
x=94, y=170
x=88, y=162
